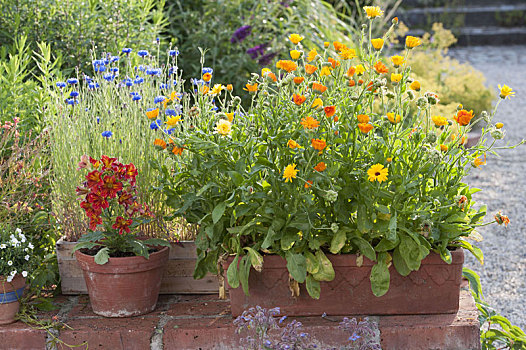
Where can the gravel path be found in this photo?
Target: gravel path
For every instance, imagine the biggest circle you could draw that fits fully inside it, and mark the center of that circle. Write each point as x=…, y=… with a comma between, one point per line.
x=503, y=181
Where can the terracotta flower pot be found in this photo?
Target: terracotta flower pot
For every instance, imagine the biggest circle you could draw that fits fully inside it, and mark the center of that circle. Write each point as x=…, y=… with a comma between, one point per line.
x=433, y=289
x=10, y=293
x=123, y=287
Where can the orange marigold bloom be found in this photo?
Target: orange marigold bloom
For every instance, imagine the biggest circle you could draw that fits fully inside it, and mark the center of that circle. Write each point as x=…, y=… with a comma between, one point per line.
x=295, y=38
x=338, y=46
x=365, y=128
x=352, y=83
x=333, y=62
x=360, y=81
x=411, y=42
x=351, y=71
x=463, y=117
x=287, y=65
x=309, y=123
x=348, y=54
x=308, y=184
x=320, y=167
x=443, y=148
x=329, y=111
x=204, y=89
x=153, y=113
x=310, y=69
x=207, y=77
x=363, y=118
x=293, y=144
x=318, y=144
x=312, y=55
x=251, y=88
x=502, y=219
x=336, y=119
x=478, y=161
x=319, y=88
x=370, y=87
x=160, y=143
x=298, y=80
x=177, y=150
x=380, y=68
x=298, y=99
x=230, y=87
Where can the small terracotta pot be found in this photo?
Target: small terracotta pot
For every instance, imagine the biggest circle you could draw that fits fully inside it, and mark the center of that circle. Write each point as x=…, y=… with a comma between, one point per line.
x=433, y=289
x=10, y=292
x=123, y=287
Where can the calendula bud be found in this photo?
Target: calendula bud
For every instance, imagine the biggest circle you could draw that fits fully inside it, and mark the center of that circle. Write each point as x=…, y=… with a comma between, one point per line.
x=431, y=137
x=331, y=196
x=236, y=101
x=460, y=107
x=485, y=115
x=394, y=20
x=230, y=87
x=435, y=156
x=421, y=102
x=334, y=227
x=497, y=134
x=411, y=94
x=364, y=26
x=390, y=94
x=326, y=64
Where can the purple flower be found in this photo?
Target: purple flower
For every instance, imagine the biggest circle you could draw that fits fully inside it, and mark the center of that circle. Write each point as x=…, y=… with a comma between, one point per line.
x=159, y=99
x=107, y=134
x=173, y=53
x=267, y=58
x=257, y=50
x=240, y=34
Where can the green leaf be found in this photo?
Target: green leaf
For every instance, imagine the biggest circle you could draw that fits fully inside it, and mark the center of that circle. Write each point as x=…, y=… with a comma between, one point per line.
x=82, y=245
x=392, y=228
x=410, y=252
x=255, y=259
x=399, y=263
x=139, y=248
x=363, y=219
x=157, y=242
x=338, y=241
x=288, y=240
x=232, y=273
x=385, y=245
x=218, y=212
x=326, y=271
x=269, y=238
x=313, y=265
x=380, y=279
x=313, y=287
x=477, y=252
x=244, y=272
x=236, y=177
x=474, y=283
x=365, y=248
x=297, y=266
x=102, y=256
x=92, y=236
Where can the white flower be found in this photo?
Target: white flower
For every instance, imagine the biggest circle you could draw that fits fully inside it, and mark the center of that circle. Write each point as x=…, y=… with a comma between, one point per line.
x=26, y=250
x=30, y=246
x=24, y=274
x=23, y=238
x=18, y=230
x=10, y=263
x=26, y=257
x=2, y=246
x=10, y=278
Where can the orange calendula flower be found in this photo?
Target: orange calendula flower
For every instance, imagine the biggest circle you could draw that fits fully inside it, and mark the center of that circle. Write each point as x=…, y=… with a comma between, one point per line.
x=415, y=85
x=295, y=38
x=298, y=80
x=298, y=99
x=338, y=46
x=230, y=87
x=347, y=54
x=499, y=125
x=318, y=144
x=308, y=184
x=318, y=88
x=412, y=42
x=329, y=111
x=287, y=65
x=506, y=91
x=320, y=167
x=293, y=144
x=389, y=160
x=363, y=118
x=312, y=55
x=295, y=54
x=310, y=69
x=351, y=71
x=336, y=119
x=159, y=143
x=265, y=72
x=318, y=103
x=153, y=113
x=360, y=69
x=478, y=161
x=370, y=87
x=365, y=127
x=333, y=62
x=443, y=148
x=352, y=83
x=204, y=89
x=463, y=117
x=380, y=68
x=395, y=78
x=207, y=77
x=360, y=81
x=290, y=172
x=230, y=116
x=439, y=120
x=309, y=123
x=378, y=173
x=377, y=43
x=502, y=219
x=394, y=119
x=325, y=71
x=177, y=150
x=251, y=87
x=373, y=11
x=397, y=61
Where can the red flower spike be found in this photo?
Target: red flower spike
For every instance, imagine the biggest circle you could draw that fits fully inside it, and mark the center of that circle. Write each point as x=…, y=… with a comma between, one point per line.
x=97, y=201
x=122, y=224
x=94, y=179
x=126, y=198
x=94, y=221
x=94, y=162
x=110, y=187
x=107, y=162
x=131, y=171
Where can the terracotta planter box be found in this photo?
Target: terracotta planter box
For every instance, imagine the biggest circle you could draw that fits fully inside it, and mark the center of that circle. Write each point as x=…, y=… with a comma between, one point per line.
x=177, y=278
x=10, y=293
x=434, y=289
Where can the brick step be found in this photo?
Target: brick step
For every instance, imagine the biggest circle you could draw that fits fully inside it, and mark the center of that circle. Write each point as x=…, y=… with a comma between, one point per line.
x=472, y=36
x=204, y=322
x=469, y=16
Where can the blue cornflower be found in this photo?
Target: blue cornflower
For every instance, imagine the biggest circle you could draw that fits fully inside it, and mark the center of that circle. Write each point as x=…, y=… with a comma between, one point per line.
x=71, y=101
x=142, y=53
x=127, y=50
x=138, y=80
x=168, y=131
x=87, y=79
x=157, y=40
x=159, y=99
x=153, y=71
x=164, y=86
x=114, y=69
x=107, y=134
x=197, y=81
x=100, y=69
x=128, y=82
x=268, y=343
x=72, y=81
x=98, y=120
x=156, y=124
x=282, y=319
x=93, y=85
x=214, y=108
x=109, y=77
x=61, y=84
x=207, y=70
x=354, y=337
x=114, y=58
x=172, y=70
x=175, y=82
x=173, y=53
x=74, y=93
x=136, y=97
x=171, y=112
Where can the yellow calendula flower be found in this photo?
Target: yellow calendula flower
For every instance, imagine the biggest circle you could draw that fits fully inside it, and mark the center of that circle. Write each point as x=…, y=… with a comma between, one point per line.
x=295, y=38
x=395, y=78
x=506, y=91
x=415, y=85
x=293, y=144
x=295, y=54
x=223, y=127
x=318, y=103
x=251, y=88
x=153, y=113
x=499, y=125
x=347, y=54
x=360, y=69
x=478, y=161
x=326, y=44
x=439, y=120
x=394, y=119
x=172, y=121
x=373, y=11
x=287, y=65
x=312, y=55
x=377, y=43
x=230, y=116
x=397, y=60
x=290, y=172
x=216, y=90
x=362, y=118
x=325, y=71
x=412, y=42
x=443, y=148
x=378, y=173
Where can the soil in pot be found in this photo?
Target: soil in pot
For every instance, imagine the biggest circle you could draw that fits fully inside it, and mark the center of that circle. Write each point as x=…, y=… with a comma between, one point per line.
x=10, y=293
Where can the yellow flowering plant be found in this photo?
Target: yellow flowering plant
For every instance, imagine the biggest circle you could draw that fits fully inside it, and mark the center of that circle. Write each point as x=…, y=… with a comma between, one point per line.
x=334, y=164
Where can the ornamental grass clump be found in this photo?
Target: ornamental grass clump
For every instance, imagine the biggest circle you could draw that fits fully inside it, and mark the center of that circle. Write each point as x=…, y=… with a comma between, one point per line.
x=329, y=160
